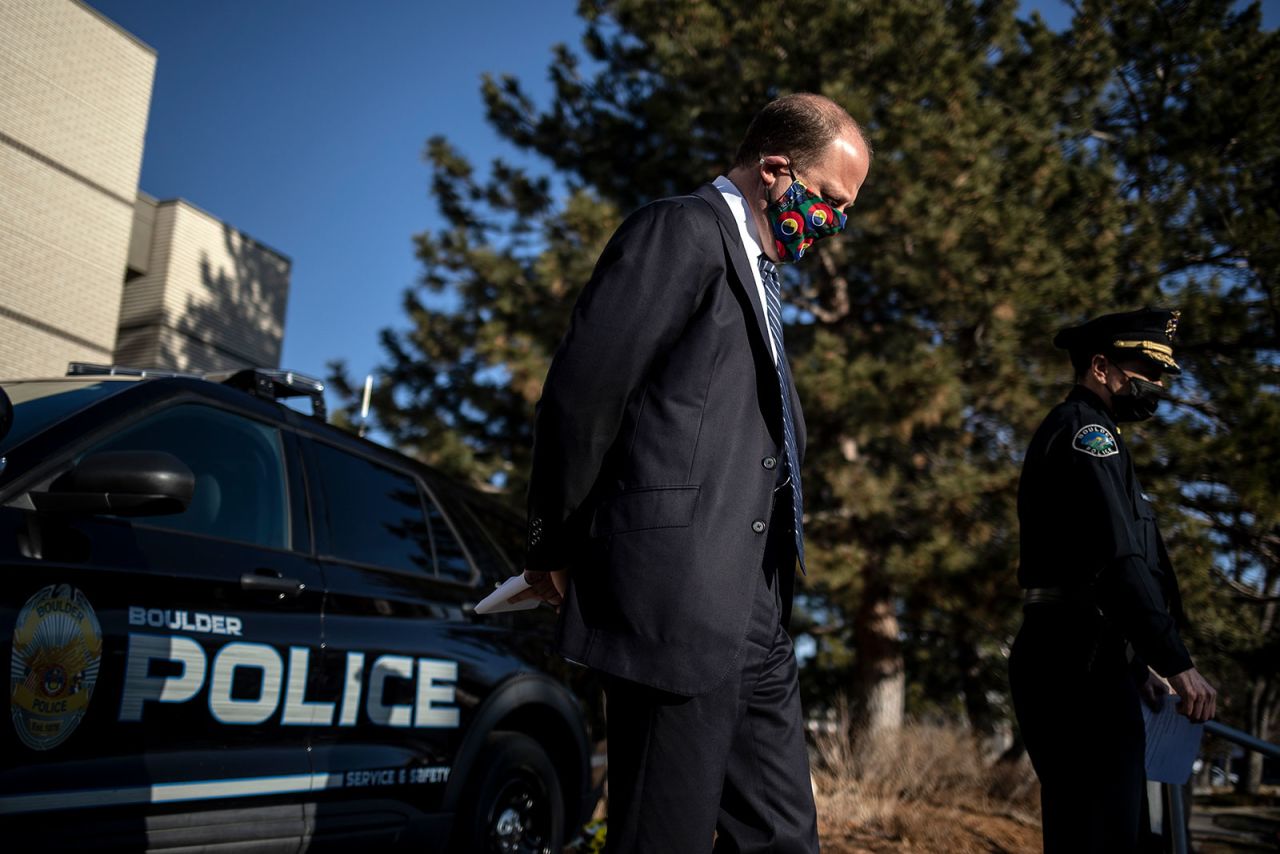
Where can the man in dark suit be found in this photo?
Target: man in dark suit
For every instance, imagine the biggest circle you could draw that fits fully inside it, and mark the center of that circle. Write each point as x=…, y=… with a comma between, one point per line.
x=1102, y=605
x=665, y=496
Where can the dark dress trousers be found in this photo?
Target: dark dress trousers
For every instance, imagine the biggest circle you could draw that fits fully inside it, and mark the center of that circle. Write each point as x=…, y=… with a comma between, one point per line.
x=655, y=481
x=1102, y=605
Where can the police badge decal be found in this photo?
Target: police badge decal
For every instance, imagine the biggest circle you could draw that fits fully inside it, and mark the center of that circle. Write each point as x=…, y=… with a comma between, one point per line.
x=57, y=647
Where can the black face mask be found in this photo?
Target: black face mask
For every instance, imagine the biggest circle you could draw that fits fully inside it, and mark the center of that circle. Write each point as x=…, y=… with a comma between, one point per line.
x=1138, y=402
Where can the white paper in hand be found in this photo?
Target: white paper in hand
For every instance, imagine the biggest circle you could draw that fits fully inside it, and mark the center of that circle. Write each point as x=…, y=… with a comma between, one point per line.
x=496, y=602
x=1172, y=742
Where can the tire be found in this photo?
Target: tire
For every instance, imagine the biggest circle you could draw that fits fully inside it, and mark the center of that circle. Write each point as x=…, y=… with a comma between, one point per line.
x=512, y=803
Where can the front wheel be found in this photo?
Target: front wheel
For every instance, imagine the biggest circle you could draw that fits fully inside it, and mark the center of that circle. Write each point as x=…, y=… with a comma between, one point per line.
x=512, y=802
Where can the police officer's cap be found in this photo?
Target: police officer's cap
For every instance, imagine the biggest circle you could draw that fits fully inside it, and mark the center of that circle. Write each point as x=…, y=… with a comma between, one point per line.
x=1147, y=334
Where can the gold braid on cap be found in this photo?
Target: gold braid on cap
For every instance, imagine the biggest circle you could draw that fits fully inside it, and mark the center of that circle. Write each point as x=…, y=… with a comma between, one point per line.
x=1162, y=353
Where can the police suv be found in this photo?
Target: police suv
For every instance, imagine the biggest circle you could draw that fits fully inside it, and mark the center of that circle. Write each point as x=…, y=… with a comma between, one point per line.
x=231, y=626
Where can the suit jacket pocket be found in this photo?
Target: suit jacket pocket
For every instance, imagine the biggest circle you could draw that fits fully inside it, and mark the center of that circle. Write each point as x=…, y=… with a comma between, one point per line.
x=645, y=508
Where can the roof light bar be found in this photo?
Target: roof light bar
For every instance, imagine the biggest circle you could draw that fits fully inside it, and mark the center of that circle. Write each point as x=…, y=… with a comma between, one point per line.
x=272, y=384
x=89, y=369
x=266, y=383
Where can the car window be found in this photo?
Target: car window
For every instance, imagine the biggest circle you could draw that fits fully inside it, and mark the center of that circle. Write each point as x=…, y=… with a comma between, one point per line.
x=373, y=514
x=239, y=468
x=493, y=564
x=505, y=528
x=451, y=560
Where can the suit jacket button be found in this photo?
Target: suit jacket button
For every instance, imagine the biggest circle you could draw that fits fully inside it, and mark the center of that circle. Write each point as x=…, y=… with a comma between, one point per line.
x=770, y=463
x=758, y=526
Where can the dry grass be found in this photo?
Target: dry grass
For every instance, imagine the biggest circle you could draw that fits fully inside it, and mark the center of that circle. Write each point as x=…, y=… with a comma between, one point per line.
x=925, y=788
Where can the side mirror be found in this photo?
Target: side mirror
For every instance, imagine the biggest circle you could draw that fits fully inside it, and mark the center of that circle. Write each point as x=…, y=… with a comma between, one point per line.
x=121, y=483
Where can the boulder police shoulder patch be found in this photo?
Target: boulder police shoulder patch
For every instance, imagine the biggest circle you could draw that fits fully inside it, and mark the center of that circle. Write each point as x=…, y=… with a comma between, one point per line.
x=1096, y=441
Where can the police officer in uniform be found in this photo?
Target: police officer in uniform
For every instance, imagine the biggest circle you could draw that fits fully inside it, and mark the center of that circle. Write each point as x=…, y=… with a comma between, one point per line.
x=1101, y=612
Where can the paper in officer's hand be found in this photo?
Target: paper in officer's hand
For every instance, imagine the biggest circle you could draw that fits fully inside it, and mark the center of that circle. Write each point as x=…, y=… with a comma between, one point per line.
x=1172, y=742
x=496, y=602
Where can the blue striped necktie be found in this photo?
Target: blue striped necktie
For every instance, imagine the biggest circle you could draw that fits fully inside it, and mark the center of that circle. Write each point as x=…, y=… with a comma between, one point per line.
x=773, y=310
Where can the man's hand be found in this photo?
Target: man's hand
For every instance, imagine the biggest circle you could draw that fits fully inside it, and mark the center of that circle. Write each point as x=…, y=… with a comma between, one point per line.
x=547, y=586
x=1154, y=690
x=1199, y=699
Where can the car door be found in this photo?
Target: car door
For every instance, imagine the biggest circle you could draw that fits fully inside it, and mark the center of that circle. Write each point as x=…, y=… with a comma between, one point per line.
x=163, y=666
x=399, y=649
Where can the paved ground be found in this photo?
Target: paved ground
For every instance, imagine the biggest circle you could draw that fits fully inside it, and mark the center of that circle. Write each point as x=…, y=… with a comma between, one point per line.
x=1215, y=829
x=1226, y=830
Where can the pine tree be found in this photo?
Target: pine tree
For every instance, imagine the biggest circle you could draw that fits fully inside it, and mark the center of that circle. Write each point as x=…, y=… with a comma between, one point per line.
x=1190, y=116
x=459, y=385
x=1016, y=189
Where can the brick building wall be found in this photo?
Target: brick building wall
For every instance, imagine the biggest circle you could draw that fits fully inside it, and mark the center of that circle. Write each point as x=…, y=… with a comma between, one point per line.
x=74, y=94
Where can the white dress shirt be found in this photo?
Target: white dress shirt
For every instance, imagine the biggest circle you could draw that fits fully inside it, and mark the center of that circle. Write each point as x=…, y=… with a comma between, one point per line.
x=750, y=241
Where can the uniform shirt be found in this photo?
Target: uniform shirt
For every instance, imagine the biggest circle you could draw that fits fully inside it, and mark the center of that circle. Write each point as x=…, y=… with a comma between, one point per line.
x=1087, y=527
x=750, y=241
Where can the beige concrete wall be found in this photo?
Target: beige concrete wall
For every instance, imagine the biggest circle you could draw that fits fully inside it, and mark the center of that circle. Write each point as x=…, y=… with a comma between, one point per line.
x=211, y=298
x=74, y=95
x=141, y=236
x=19, y=340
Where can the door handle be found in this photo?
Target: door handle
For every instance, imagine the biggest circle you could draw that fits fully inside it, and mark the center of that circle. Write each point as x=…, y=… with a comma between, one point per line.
x=270, y=581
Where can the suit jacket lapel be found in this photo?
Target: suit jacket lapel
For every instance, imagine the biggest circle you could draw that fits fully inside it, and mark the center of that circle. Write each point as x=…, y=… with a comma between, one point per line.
x=737, y=255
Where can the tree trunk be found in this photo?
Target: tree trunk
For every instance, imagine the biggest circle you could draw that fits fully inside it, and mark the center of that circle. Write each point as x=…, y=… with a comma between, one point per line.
x=977, y=708
x=1261, y=698
x=881, y=679
x=1259, y=726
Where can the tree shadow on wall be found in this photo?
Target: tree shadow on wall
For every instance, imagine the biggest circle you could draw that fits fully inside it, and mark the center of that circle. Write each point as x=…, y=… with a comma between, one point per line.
x=236, y=319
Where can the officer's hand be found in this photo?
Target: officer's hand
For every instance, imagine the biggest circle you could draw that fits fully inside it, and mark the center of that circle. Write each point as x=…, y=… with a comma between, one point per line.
x=547, y=586
x=1199, y=699
x=1154, y=690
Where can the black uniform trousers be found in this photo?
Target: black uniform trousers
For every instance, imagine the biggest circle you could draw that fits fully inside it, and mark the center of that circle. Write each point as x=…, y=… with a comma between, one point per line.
x=729, y=764
x=1080, y=716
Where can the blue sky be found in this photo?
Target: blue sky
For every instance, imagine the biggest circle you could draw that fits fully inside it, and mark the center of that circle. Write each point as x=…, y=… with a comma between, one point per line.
x=302, y=123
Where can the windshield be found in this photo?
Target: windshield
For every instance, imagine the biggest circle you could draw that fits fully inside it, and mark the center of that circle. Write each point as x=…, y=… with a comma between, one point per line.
x=40, y=404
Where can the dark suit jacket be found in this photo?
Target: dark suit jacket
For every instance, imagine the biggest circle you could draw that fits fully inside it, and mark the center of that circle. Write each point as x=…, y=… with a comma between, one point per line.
x=656, y=450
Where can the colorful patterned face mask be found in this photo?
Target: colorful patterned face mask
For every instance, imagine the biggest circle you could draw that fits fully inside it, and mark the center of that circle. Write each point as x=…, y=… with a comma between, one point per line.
x=799, y=218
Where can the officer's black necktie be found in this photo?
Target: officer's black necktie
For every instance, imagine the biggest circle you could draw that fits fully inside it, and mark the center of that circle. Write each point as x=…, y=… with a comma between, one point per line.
x=773, y=310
